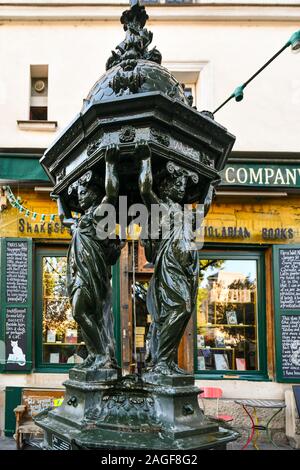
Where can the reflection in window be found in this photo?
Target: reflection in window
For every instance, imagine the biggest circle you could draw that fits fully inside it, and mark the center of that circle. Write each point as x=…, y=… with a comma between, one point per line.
x=62, y=341
x=227, y=315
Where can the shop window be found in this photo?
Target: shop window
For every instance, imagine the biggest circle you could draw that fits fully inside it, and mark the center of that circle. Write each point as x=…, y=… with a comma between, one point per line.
x=59, y=339
x=230, y=320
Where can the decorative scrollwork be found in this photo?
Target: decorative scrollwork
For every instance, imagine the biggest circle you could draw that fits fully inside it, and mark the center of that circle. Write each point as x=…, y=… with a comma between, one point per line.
x=160, y=136
x=127, y=82
x=127, y=134
x=92, y=147
x=84, y=180
x=128, y=409
x=137, y=39
x=206, y=160
x=179, y=171
x=208, y=114
x=60, y=176
x=173, y=92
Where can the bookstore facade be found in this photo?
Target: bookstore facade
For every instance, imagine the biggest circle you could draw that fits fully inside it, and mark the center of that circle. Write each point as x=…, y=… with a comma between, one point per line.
x=245, y=334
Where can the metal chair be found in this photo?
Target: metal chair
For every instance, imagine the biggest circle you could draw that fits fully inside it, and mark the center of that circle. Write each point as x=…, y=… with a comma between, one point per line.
x=214, y=393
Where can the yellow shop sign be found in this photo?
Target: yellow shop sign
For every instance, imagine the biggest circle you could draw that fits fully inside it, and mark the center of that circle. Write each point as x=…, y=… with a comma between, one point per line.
x=42, y=229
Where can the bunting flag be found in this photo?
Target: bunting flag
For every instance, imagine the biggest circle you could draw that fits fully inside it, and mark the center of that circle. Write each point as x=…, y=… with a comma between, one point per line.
x=16, y=202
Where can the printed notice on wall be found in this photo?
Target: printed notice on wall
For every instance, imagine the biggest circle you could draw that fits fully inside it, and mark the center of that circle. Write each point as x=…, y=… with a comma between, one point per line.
x=17, y=272
x=15, y=336
x=289, y=278
x=290, y=335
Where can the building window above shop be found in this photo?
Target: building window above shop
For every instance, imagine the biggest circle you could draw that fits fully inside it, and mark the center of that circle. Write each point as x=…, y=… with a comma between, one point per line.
x=39, y=93
x=229, y=320
x=38, y=103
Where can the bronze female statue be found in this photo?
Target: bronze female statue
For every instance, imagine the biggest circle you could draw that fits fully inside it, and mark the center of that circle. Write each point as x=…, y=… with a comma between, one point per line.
x=89, y=264
x=172, y=292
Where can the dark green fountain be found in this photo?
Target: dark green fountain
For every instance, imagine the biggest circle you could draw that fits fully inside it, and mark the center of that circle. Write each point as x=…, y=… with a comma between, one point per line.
x=138, y=136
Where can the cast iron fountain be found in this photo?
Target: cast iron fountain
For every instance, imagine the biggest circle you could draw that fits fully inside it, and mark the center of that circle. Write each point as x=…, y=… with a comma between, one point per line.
x=138, y=136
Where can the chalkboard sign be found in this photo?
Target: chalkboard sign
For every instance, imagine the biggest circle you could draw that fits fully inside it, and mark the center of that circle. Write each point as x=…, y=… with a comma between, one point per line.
x=290, y=344
x=17, y=272
x=15, y=338
x=289, y=278
x=16, y=303
x=286, y=262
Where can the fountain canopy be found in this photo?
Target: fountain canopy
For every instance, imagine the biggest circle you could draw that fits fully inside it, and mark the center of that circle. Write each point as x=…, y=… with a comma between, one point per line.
x=138, y=99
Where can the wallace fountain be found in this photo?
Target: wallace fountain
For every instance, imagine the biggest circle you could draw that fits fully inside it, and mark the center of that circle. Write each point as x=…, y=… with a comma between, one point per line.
x=138, y=136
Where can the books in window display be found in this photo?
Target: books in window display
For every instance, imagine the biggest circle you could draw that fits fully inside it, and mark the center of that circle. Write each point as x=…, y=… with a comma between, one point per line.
x=200, y=341
x=51, y=336
x=208, y=355
x=231, y=317
x=240, y=364
x=219, y=341
x=71, y=336
x=54, y=358
x=201, y=363
x=221, y=362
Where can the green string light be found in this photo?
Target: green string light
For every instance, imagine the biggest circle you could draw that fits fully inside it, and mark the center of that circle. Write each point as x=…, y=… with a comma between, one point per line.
x=238, y=93
x=16, y=203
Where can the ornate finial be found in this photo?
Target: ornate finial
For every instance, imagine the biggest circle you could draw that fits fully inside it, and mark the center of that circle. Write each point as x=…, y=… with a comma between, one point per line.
x=137, y=39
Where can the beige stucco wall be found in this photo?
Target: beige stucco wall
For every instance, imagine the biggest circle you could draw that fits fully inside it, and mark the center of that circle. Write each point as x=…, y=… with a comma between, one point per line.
x=226, y=52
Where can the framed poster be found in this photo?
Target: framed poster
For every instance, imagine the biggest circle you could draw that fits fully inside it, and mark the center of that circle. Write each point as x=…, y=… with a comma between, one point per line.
x=231, y=317
x=287, y=312
x=221, y=362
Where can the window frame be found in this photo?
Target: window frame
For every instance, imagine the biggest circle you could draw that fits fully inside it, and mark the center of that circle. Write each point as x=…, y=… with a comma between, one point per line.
x=41, y=366
x=229, y=253
x=61, y=250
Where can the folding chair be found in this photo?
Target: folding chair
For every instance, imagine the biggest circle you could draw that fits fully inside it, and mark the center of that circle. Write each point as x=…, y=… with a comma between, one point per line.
x=214, y=393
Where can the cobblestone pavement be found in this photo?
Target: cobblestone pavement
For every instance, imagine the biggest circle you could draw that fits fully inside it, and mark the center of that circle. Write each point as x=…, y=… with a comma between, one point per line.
x=279, y=438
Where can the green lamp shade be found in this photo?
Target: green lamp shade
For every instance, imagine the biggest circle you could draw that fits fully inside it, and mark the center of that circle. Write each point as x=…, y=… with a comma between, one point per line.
x=238, y=93
x=294, y=41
